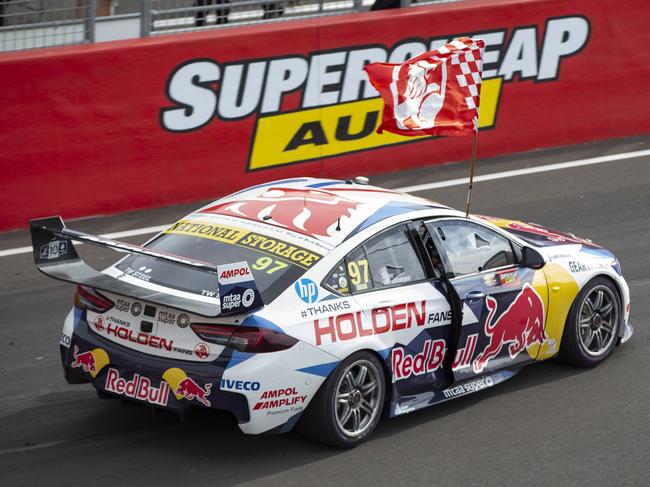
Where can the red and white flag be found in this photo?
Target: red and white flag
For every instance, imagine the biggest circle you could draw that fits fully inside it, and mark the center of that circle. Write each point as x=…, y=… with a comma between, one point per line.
x=435, y=93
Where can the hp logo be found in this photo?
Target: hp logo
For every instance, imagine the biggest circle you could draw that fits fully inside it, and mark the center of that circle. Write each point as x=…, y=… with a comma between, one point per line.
x=307, y=290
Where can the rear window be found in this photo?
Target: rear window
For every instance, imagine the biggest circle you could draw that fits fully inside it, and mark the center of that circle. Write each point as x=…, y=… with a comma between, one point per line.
x=275, y=264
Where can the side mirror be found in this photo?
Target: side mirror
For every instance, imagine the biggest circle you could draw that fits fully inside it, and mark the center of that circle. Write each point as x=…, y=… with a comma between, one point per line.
x=531, y=258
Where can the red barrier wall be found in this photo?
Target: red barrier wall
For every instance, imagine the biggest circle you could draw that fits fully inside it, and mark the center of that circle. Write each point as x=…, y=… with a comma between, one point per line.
x=95, y=129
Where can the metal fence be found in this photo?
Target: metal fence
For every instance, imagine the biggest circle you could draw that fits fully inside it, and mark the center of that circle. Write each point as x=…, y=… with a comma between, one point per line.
x=171, y=16
x=166, y=16
x=27, y=24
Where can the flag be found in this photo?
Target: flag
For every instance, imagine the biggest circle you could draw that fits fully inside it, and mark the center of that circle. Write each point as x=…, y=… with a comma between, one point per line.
x=435, y=93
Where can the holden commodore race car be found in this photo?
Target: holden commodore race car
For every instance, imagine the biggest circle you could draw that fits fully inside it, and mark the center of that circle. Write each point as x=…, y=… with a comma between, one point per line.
x=321, y=304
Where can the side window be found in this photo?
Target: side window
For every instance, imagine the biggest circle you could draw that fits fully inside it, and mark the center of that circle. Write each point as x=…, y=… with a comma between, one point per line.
x=386, y=260
x=337, y=280
x=392, y=259
x=472, y=248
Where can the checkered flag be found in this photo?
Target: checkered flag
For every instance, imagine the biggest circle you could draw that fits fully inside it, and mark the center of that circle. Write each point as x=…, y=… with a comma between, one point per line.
x=435, y=93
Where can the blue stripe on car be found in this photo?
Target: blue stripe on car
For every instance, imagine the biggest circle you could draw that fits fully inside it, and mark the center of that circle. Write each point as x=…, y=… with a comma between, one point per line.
x=323, y=369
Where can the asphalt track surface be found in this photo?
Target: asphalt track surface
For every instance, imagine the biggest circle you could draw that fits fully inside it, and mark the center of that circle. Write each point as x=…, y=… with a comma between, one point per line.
x=549, y=425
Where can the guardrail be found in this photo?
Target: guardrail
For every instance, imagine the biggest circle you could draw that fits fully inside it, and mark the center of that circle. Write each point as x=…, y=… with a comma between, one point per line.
x=29, y=24
x=171, y=16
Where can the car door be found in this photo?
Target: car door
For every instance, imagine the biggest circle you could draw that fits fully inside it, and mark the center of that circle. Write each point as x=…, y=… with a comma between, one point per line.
x=405, y=304
x=503, y=302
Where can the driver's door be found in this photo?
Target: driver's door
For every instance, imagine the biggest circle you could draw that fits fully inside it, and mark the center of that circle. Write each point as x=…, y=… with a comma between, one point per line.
x=503, y=302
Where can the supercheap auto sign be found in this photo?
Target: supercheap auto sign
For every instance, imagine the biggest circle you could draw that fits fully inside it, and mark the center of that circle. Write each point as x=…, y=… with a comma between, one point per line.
x=181, y=118
x=338, y=110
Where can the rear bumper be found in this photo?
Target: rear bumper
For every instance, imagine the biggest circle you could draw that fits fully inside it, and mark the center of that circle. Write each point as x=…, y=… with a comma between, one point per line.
x=163, y=383
x=266, y=392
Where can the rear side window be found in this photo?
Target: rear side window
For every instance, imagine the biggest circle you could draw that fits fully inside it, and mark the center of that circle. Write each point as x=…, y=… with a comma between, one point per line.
x=337, y=279
x=392, y=259
x=272, y=262
x=385, y=260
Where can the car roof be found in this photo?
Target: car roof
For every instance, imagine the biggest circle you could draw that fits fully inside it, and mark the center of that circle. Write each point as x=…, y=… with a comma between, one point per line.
x=326, y=210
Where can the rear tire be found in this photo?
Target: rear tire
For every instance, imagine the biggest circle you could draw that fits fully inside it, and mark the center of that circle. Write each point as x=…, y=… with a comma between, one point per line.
x=591, y=330
x=348, y=406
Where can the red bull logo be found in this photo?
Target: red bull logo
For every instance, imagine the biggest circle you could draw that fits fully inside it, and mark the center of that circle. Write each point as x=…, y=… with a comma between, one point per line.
x=139, y=387
x=307, y=211
x=519, y=326
x=85, y=361
x=404, y=365
x=91, y=362
x=190, y=390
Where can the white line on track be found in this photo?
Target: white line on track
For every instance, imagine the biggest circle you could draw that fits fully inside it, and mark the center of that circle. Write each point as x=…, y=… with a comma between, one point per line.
x=522, y=172
x=411, y=189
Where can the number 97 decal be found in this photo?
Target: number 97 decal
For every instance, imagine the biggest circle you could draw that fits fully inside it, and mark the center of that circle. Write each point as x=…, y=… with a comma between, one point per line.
x=269, y=265
x=358, y=271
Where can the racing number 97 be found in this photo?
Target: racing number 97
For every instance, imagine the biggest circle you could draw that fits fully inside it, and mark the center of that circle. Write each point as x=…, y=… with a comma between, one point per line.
x=358, y=271
x=269, y=265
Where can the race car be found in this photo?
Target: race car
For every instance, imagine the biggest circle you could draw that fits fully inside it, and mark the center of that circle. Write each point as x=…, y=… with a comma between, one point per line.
x=323, y=303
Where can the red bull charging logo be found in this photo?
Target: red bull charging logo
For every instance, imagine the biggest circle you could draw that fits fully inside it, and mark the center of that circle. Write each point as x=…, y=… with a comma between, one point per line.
x=185, y=387
x=85, y=360
x=519, y=326
x=189, y=389
x=91, y=362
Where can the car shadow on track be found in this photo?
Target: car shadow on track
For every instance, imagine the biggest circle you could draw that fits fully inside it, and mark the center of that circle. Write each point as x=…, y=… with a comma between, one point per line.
x=76, y=427
x=532, y=376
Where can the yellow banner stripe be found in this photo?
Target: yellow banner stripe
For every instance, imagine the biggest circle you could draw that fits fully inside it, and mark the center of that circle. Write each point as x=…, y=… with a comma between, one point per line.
x=285, y=251
x=337, y=129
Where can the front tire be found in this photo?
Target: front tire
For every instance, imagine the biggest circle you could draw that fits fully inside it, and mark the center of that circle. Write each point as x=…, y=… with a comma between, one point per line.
x=347, y=407
x=591, y=330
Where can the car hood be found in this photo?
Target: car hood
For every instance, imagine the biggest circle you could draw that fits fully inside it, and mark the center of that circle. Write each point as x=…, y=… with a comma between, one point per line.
x=538, y=235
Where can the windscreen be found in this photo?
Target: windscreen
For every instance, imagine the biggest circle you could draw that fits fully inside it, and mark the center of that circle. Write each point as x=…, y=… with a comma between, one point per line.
x=275, y=264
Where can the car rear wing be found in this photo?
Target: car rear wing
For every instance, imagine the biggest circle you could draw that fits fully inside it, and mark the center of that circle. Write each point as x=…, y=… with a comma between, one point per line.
x=55, y=256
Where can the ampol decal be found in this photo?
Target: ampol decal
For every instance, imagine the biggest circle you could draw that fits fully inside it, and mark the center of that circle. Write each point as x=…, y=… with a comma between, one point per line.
x=339, y=109
x=279, y=398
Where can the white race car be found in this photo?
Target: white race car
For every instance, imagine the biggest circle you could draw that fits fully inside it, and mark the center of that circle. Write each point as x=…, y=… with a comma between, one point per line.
x=322, y=303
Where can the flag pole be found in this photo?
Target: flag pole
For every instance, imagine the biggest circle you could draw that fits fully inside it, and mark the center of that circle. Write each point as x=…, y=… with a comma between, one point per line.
x=471, y=173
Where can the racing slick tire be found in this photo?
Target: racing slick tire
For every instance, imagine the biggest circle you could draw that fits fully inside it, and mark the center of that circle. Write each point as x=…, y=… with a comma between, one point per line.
x=348, y=406
x=591, y=330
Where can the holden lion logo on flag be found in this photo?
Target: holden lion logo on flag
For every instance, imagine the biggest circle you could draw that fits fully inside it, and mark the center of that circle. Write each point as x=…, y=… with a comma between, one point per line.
x=435, y=93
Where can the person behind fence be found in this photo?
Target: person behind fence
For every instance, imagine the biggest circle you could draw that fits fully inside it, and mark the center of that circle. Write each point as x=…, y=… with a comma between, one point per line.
x=222, y=13
x=385, y=4
x=272, y=10
x=104, y=8
x=2, y=11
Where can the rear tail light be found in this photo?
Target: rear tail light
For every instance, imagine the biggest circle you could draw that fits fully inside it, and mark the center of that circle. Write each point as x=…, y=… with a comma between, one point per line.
x=244, y=338
x=88, y=298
